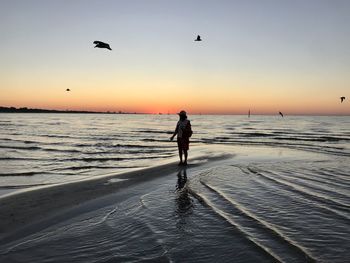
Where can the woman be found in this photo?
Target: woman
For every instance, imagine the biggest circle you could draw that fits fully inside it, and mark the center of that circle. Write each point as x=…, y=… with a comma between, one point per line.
x=184, y=132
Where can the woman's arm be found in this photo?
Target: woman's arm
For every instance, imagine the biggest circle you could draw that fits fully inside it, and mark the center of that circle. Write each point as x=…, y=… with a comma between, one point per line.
x=175, y=132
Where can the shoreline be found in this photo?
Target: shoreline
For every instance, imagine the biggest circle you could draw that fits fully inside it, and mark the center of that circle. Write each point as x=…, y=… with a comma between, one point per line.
x=29, y=208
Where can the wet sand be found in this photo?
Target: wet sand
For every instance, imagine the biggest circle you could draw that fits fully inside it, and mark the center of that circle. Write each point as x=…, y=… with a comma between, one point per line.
x=24, y=211
x=242, y=203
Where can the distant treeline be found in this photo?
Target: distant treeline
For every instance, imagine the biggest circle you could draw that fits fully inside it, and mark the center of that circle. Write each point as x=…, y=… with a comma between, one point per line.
x=28, y=110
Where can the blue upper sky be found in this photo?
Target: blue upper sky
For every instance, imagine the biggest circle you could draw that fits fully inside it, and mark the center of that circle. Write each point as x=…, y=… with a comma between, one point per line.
x=272, y=41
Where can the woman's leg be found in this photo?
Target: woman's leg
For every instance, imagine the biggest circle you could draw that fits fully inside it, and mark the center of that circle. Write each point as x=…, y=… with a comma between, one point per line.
x=180, y=155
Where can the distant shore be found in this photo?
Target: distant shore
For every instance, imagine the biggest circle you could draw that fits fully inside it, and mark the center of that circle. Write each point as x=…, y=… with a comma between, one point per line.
x=29, y=110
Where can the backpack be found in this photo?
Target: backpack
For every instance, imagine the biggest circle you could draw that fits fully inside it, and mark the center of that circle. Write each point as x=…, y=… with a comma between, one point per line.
x=188, y=130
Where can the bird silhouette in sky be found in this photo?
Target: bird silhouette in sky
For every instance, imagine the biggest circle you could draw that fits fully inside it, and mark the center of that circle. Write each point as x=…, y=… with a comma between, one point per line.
x=280, y=113
x=198, y=38
x=100, y=44
x=67, y=89
x=342, y=99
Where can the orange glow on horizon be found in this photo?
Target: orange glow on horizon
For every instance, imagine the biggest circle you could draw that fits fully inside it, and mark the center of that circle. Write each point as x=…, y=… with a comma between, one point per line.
x=149, y=95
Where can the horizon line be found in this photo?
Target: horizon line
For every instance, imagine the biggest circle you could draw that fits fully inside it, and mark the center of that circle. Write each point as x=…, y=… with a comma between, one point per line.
x=40, y=110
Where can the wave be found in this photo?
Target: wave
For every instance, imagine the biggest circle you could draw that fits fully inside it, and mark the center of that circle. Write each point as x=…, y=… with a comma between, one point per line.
x=336, y=208
x=279, y=245
x=330, y=173
x=55, y=136
x=256, y=134
x=31, y=142
x=314, y=139
x=22, y=186
x=106, y=159
x=21, y=147
x=312, y=180
x=263, y=236
x=334, y=150
x=153, y=131
x=319, y=179
x=289, y=136
x=119, y=145
x=96, y=156
x=90, y=167
x=19, y=174
x=7, y=124
x=33, y=173
x=26, y=159
x=39, y=148
x=129, y=153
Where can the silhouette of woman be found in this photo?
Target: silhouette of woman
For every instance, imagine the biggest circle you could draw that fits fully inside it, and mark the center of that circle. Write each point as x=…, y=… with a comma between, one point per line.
x=184, y=132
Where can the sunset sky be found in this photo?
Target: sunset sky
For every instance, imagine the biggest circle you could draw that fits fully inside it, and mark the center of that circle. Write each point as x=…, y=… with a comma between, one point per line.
x=266, y=56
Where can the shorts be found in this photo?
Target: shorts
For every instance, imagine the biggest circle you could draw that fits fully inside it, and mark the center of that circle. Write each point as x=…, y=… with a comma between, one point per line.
x=183, y=143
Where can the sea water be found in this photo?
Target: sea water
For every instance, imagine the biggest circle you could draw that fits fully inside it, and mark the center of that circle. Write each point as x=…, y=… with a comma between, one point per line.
x=40, y=149
x=284, y=197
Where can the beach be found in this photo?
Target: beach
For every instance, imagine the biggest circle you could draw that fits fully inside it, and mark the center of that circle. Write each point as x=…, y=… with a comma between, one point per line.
x=230, y=203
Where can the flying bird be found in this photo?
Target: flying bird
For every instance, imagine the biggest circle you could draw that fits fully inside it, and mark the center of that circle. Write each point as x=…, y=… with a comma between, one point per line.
x=100, y=44
x=67, y=89
x=198, y=38
x=280, y=113
x=342, y=99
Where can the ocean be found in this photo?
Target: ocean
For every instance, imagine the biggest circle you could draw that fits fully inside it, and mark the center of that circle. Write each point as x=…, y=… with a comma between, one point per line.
x=41, y=149
x=283, y=195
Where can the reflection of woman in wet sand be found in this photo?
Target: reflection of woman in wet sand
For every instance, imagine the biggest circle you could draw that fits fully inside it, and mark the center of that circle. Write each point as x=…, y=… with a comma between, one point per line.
x=181, y=179
x=183, y=200
x=184, y=132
